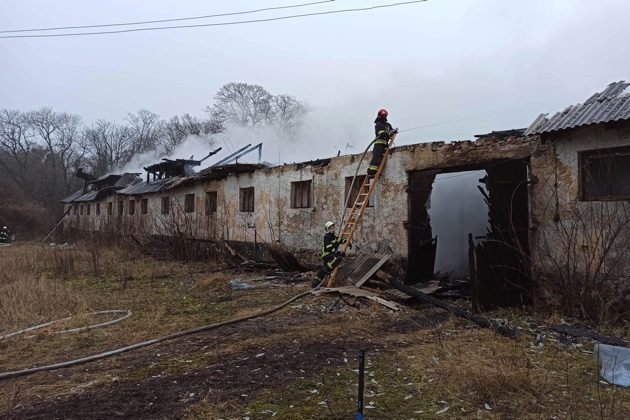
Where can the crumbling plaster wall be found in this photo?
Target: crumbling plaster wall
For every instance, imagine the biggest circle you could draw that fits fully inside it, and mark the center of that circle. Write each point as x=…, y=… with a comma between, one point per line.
x=382, y=228
x=274, y=221
x=555, y=170
x=555, y=204
x=85, y=222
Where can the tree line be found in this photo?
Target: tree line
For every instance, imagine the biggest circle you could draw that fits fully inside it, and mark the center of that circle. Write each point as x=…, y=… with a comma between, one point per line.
x=40, y=150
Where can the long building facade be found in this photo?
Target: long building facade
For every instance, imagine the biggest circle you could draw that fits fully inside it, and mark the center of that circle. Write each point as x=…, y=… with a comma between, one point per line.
x=535, y=179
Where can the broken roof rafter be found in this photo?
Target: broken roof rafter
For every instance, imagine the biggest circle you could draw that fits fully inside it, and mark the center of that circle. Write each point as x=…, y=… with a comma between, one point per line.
x=240, y=153
x=176, y=165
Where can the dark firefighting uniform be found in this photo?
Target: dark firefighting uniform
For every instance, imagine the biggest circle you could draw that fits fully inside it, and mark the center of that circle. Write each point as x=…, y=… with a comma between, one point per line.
x=383, y=131
x=329, y=254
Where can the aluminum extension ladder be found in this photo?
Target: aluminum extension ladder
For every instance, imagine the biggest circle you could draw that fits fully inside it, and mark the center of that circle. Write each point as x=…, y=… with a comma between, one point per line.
x=358, y=208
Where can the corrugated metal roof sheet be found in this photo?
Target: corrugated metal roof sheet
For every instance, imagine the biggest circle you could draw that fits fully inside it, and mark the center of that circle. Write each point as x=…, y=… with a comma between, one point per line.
x=151, y=187
x=231, y=168
x=73, y=196
x=124, y=180
x=88, y=196
x=612, y=104
x=127, y=179
x=78, y=196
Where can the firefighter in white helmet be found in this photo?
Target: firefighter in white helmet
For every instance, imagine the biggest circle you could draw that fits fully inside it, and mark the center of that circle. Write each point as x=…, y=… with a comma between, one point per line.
x=330, y=255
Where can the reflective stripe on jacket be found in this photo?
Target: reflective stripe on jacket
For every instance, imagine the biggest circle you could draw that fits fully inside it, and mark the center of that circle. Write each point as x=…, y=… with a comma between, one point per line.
x=382, y=129
x=331, y=243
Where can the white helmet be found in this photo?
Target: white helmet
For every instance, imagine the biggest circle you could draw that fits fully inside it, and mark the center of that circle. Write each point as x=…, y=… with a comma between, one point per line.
x=328, y=225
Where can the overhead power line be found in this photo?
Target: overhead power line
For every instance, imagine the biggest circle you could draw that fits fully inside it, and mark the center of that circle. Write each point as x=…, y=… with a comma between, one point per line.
x=144, y=22
x=241, y=22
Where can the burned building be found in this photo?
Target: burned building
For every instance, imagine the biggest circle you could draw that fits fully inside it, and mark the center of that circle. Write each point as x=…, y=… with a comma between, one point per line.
x=96, y=198
x=580, y=218
x=527, y=182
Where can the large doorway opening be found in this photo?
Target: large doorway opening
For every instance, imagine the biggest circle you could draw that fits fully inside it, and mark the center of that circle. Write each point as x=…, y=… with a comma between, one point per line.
x=472, y=222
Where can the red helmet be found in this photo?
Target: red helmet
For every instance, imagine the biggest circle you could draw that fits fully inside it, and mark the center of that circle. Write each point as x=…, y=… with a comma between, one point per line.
x=382, y=113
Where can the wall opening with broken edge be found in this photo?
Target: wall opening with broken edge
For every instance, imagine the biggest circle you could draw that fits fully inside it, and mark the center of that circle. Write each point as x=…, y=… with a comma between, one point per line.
x=498, y=260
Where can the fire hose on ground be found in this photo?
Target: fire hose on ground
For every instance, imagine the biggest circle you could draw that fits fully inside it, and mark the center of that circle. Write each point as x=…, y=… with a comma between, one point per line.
x=501, y=329
x=93, y=357
x=127, y=314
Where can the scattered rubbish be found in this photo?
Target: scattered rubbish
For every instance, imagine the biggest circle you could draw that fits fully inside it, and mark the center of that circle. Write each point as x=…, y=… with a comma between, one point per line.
x=59, y=246
x=614, y=362
x=585, y=332
x=487, y=406
x=482, y=322
x=444, y=410
x=252, y=282
x=238, y=285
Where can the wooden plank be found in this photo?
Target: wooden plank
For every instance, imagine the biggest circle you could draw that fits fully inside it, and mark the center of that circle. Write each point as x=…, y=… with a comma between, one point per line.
x=428, y=287
x=479, y=320
x=372, y=270
x=391, y=305
x=356, y=292
x=354, y=269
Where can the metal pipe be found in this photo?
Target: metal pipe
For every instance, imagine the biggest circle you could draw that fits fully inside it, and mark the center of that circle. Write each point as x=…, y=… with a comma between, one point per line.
x=361, y=382
x=230, y=156
x=58, y=223
x=212, y=153
x=251, y=149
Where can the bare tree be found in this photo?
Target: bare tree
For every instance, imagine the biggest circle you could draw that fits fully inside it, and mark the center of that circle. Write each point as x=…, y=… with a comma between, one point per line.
x=242, y=104
x=178, y=128
x=70, y=148
x=289, y=115
x=584, y=258
x=59, y=133
x=16, y=146
x=111, y=145
x=46, y=124
x=147, y=129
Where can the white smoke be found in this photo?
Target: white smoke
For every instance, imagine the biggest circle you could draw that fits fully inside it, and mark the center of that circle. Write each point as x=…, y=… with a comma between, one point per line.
x=192, y=147
x=337, y=129
x=321, y=136
x=452, y=219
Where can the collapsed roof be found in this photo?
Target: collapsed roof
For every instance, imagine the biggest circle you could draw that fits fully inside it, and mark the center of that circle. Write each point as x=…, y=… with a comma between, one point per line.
x=103, y=186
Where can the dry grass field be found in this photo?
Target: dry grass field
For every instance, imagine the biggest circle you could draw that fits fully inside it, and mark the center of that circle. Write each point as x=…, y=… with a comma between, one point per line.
x=299, y=362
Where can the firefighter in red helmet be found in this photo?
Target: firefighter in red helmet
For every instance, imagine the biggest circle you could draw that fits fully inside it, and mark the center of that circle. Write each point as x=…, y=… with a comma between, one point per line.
x=384, y=131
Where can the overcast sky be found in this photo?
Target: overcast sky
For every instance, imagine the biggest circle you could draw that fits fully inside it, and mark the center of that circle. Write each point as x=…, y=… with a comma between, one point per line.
x=471, y=65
